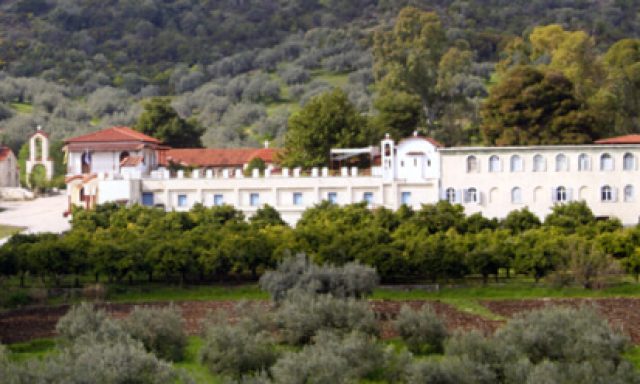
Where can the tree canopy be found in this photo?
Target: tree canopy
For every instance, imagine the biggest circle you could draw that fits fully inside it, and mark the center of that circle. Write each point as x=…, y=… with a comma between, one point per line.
x=327, y=121
x=529, y=106
x=161, y=121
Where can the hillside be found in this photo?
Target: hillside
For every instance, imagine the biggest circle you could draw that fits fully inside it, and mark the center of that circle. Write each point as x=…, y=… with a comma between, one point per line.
x=239, y=67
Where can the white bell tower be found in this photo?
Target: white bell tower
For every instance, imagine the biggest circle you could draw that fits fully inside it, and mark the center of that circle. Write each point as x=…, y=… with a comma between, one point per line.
x=388, y=158
x=41, y=158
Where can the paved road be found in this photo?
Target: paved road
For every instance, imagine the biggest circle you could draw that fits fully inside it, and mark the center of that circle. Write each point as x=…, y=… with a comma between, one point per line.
x=43, y=214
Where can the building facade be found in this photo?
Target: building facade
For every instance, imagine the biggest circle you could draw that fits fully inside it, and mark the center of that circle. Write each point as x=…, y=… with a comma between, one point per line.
x=414, y=171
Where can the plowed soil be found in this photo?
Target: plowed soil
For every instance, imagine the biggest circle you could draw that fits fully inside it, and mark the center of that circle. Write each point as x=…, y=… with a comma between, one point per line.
x=623, y=313
x=38, y=322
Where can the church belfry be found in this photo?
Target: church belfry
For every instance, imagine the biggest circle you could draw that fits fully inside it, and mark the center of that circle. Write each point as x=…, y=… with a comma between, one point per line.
x=39, y=153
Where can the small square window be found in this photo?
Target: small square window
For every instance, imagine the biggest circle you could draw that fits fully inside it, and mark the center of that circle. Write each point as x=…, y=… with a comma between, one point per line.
x=406, y=198
x=332, y=197
x=182, y=200
x=254, y=199
x=297, y=198
x=218, y=200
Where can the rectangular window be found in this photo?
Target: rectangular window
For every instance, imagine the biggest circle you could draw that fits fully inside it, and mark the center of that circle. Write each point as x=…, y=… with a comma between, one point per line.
x=406, y=198
x=147, y=199
x=297, y=198
x=182, y=200
x=218, y=200
x=368, y=197
x=254, y=199
x=332, y=197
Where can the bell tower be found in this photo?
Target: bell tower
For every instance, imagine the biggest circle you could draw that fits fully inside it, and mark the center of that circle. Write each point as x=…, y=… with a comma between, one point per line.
x=39, y=141
x=388, y=158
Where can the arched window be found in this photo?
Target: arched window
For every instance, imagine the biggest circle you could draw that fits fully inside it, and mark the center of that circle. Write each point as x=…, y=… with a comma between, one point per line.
x=583, y=162
x=606, y=162
x=606, y=193
x=471, y=195
x=451, y=195
x=628, y=193
x=494, y=164
x=629, y=162
x=516, y=195
x=517, y=164
x=562, y=164
x=472, y=164
x=539, y=165
x=561, y=194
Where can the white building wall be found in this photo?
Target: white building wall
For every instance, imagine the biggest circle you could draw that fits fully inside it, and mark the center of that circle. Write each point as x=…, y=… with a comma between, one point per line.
x=495, y=188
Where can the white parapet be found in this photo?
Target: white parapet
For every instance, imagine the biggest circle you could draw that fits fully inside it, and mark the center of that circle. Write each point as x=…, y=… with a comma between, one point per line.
x=314, y=172
x=296, y=172
x=180, y=174
x=225, y=173
x=344, y=171
x=195, y=174
x=325, y=172
x=239, y=174
x=255, y=173
x=285, y=172
x=354, y=171
x=209, y=174
x=267, y=172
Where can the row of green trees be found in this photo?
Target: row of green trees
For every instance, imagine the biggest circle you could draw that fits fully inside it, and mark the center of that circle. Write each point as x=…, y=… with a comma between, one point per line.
x=435, y=243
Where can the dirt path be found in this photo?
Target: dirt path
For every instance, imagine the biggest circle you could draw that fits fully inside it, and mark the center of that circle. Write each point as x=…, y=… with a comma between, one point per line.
x=38, y=322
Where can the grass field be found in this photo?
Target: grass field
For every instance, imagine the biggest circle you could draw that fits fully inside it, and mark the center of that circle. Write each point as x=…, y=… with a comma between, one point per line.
x=22, y=107
x=8, y=230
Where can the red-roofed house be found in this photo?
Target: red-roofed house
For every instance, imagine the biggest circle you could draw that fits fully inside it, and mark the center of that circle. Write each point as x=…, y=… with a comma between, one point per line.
x=9, y=176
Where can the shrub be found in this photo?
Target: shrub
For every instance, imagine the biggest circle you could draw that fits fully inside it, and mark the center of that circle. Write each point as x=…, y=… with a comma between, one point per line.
x=93, y=359
x=234, y=350
x=450, y=370
x=161, y=330
x=302, y=315
x=332, y=359
x=80, y=320
x=421, y=330
x=563, y=334
x=351, y=280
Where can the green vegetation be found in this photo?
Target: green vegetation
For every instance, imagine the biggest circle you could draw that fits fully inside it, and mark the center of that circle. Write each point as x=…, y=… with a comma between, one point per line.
x=22, y=107
x=436, y=244
x=9, y=230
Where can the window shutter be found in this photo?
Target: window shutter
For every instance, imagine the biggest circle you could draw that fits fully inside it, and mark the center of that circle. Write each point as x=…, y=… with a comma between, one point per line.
x=459, y=197
x=614, y=194
x=479, y=196
x=553, y=194
x=569, y=194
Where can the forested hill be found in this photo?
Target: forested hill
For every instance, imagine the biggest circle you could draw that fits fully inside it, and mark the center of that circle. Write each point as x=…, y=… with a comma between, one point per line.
x=60, y=39
x=239, y=68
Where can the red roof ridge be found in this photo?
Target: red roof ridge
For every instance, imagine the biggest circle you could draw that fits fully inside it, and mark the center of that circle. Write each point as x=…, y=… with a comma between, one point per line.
x=4, y=152
x=117, y=133
x=624, y=139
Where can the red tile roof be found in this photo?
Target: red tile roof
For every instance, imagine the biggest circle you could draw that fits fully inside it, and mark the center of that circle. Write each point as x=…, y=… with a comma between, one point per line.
x=113, y=134
x=4, y=153
x=219, y=157
x=627, y=139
